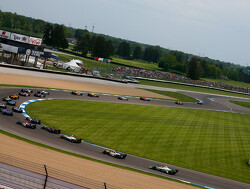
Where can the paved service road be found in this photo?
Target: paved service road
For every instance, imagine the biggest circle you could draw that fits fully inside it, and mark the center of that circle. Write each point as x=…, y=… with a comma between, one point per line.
x=8, y=123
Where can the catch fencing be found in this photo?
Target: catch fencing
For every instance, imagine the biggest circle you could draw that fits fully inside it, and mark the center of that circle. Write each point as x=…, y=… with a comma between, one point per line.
x=19, y=173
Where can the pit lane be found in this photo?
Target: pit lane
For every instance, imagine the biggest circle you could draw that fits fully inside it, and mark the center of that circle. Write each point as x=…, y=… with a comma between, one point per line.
x=41, y=136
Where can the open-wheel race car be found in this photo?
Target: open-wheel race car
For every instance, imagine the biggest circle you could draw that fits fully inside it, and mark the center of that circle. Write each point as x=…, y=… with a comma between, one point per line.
x=93, y=95
x=43, y=92
x=17, y=109
x=51, y=129
x=114, y=153
x=70, y=138
x=179, y=103
x=27, y=124
x=6, y=98
x=33, y=120
x=14, y=97
x=144, y=98
x=2, y=105
x=37, y=94
x=122, y=98
x=6, y=112
x=27, y=90
x=164, y=169
x=24, y=94
x=76, y=93
x=11, y=102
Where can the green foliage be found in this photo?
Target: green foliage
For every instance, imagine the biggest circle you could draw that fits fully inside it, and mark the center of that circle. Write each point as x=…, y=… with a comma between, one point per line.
x=193, y=69
x=167, y=62
x=124, y=50
x=137, y=53
x=207, y=141
x=152, y=54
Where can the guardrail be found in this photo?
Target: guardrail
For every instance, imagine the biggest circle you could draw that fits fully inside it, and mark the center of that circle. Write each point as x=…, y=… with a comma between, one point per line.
x=189, y=84
x=20, y=173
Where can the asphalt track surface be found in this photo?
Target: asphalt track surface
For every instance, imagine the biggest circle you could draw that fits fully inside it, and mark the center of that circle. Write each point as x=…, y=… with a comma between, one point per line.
x=8, y=123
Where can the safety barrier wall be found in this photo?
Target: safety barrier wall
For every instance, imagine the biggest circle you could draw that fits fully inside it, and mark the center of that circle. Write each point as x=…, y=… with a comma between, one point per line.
x=20, y=173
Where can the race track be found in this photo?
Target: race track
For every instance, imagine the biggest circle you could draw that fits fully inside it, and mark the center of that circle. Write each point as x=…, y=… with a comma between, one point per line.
x=212, y=102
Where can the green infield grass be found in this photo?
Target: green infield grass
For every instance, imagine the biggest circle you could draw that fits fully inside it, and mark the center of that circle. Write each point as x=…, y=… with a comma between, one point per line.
x=214, y=142
x=190, y=88
x=228, y=82
x=177, y=96
x=240, y=103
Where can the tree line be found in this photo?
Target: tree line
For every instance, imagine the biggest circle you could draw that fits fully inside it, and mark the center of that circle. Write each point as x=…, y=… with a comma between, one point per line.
x=106, y=46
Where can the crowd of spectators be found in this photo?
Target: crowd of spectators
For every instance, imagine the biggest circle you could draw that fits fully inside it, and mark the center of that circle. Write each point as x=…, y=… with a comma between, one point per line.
x=135, y=72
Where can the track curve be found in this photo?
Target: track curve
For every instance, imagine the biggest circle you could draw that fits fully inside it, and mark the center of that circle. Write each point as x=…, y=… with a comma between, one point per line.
x=38, y=135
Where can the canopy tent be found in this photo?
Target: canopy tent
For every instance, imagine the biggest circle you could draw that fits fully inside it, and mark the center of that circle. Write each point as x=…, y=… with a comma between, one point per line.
x=74, y=65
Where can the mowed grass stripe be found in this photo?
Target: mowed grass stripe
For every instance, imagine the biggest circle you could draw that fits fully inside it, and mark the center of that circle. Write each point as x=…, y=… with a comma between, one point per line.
x=208, y=141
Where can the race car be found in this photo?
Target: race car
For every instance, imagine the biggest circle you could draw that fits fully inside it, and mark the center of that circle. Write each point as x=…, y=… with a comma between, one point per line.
x=114, y=153
x=144, y=98
x=93, y=95
x=122, y=98
x=164, y=169
x=2, y=105
x=76, y=93
x=24, y=94
x=27, y=90
x=43, y=92
x=6, y=112
x=179, y=103
x=200, y=102
x=33, y=120
x=14, y=97
x=11, y=102
x=37, y=94
x=70, y=138
x=51, y=129
x=16, y=109
x=6, y=98
x=26, y=124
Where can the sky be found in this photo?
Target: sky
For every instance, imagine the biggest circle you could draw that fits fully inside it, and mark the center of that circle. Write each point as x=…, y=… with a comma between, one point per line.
x=218, y=29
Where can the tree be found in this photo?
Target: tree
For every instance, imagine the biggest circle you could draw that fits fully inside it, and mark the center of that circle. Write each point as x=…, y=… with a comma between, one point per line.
x=47, y=36
x=58, y=37
x=151, y=54
x=193, y=69
x=99, y=47
x=82, y=45
x=8, y=21
x=137, y=53
x=167, y=62
x=124, y=50
x=80, y=32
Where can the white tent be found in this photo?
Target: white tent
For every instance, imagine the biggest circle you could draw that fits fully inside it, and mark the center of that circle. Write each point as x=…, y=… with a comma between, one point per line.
x=74, y=65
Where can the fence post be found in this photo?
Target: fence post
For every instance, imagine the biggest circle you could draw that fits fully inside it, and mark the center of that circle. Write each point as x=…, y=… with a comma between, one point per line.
x=44, y=186
x=105, y=186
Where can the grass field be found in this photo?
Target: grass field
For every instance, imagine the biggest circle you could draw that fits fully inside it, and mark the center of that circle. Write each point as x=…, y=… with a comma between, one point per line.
x=244, y=104
x=209, y=141
x=190, y=88
x=228, y=82
x=178, y=96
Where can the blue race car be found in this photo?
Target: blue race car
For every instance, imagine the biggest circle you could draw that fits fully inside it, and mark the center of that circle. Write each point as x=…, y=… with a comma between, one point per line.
x=6, y=112
x=76, y=93
x=11, y=102
x=27, y=90
x=33, y=120
x=16, y=109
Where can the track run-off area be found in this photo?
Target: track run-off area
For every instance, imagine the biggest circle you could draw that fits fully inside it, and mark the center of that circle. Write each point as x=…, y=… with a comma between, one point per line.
x=211, y=102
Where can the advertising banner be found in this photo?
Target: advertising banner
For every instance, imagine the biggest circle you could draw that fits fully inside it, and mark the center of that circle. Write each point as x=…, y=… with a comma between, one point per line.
x=8, y=48
x=19, y=37
x=4, y=34
x=35, y=41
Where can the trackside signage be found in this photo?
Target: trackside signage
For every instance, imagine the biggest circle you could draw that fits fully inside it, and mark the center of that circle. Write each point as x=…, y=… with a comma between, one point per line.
x=9, y=48
x=35, y=41
x=19, y=37
x=4, y=34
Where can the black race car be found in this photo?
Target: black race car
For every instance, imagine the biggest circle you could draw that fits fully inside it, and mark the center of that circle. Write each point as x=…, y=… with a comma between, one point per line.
x=93, y=95
x=179, y=103
x=7, y=98
x=122, y=98
x=70, y=138
x=26, y=124
x=200, y=102
x=6, y=112
x=37, y=94
x=27, y=90
x=33, y=120
x=16, y=109
x=144, y=98
x=114, y=153
x=11, y=102
x=2, y=105
x=43, y=92
x=51, y=129
x=76, y=93
x=24, y=94
x=164, y=169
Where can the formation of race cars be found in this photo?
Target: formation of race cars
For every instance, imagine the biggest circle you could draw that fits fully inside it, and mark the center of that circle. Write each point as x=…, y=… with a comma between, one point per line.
x=32, y=123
